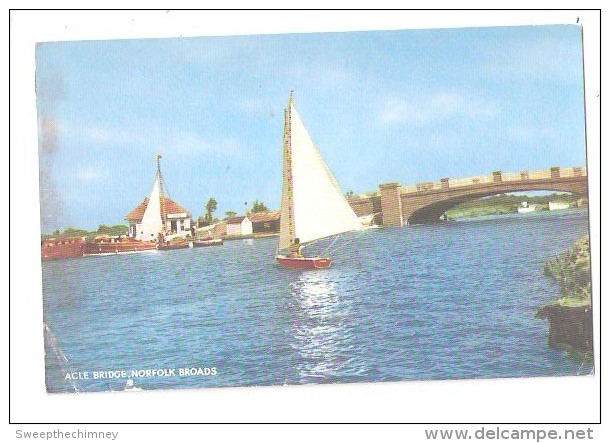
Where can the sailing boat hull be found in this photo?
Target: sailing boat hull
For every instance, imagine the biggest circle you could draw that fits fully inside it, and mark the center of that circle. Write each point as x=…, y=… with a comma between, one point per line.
x=304, y=262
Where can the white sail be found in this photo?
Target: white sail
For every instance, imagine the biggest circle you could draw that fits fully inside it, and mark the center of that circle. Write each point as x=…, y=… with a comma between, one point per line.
x=319, y=208
x=152, y=222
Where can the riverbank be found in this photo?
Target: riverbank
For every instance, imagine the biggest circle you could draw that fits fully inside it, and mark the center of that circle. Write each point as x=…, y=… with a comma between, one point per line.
x=570, y=316
x=508, y=204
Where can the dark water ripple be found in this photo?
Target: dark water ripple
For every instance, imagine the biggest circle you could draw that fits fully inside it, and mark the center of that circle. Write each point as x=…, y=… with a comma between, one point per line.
x=451, y=301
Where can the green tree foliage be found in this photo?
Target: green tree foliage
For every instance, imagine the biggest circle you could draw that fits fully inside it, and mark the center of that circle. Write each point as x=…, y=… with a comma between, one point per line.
x=115, y=230
x=210, y=207
x=259, y=206
x=572, y=270
x=74, y=232
x=230, y=214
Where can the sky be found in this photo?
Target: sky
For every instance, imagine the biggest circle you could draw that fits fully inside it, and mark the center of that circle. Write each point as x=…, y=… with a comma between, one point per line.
x=389, y=106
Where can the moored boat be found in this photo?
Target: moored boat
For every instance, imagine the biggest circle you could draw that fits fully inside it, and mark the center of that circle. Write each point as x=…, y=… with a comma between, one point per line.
x=58, y=248
x=113, y=245
x=209, y=242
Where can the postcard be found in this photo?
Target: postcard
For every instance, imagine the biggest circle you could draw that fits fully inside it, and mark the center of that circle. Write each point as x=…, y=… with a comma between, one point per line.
x=293, y=209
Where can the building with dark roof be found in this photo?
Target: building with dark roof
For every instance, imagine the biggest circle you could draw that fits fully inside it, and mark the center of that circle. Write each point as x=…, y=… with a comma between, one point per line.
x=267, y=222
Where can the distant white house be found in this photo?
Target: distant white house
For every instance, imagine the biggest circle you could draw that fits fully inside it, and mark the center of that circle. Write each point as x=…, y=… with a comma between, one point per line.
x=239, y=226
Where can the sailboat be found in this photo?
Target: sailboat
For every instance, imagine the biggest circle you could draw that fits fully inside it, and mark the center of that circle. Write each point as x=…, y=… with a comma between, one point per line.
x=159, y=218
x=153, y=221
x=312, y=205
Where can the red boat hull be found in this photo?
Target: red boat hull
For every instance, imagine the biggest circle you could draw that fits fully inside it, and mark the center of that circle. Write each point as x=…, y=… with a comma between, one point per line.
x=53, y=249
x=117, y=247
x=304, y=262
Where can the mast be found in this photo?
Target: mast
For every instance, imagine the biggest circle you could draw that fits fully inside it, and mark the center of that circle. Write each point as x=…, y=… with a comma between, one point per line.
x=162, y=195
x=287, y=230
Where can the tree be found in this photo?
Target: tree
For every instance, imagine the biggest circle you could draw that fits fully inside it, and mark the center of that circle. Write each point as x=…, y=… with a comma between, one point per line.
x=103, y=229
x=259, y=206
x=74, y=232
x=230, y=214
x=210, y=207
x=349, y=193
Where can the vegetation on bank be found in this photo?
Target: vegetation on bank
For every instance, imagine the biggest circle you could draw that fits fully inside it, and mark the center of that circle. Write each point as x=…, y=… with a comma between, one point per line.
x=209, y=218
x=506, y=204
x=570, y=316
x=118, y=230
x=572, y=271
x=112, y=231
x=212, y=205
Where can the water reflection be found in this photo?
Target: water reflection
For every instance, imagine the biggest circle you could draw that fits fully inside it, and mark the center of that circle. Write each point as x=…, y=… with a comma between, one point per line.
x=397, y=306
x=323, y=336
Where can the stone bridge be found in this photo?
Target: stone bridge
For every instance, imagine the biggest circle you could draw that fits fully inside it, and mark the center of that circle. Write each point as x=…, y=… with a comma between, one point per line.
x=426, y=202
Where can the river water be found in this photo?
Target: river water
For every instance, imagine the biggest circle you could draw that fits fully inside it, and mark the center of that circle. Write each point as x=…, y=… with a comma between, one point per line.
x=450, y=301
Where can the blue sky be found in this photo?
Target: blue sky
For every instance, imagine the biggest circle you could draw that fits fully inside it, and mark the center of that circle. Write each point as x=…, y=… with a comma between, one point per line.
x=406, y=106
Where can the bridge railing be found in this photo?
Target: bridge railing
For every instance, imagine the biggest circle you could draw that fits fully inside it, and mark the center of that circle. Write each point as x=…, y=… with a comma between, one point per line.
x=459, y=182
x=498, y=176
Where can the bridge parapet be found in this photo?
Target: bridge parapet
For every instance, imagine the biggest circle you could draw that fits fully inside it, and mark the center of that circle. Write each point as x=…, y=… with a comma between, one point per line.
x=498, y=176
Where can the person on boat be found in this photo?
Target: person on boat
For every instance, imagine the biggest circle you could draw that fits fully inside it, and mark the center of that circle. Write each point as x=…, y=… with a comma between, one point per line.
x=295, y=249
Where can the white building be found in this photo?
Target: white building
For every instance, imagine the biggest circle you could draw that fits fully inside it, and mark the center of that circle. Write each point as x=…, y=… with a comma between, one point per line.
x=239, y=226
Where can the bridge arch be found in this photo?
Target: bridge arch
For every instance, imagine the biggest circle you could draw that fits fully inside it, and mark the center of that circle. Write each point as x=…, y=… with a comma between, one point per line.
x=426, y=202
